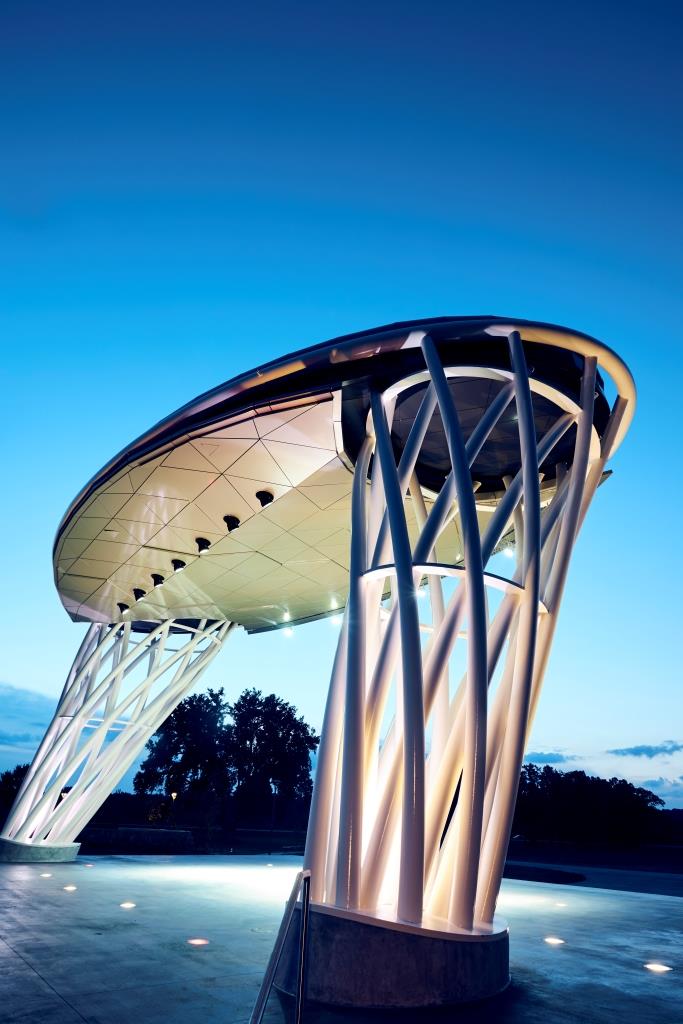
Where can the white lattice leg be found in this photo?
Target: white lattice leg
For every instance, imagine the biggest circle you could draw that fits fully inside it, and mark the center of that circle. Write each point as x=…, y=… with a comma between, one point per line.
x=122, y=686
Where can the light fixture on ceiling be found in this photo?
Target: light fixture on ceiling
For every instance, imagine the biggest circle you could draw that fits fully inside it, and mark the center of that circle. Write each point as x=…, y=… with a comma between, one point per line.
x=123, y=608
x=178, y=564
x=138, y=593
x=202, y=544
x=232, y=522
x=157, y=579
x=265, y=497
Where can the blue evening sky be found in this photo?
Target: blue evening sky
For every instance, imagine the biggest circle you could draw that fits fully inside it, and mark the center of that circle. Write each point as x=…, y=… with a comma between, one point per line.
x=188, y=190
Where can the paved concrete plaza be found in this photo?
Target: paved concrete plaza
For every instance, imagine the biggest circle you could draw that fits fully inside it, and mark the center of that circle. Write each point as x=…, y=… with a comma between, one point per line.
x=74, y=955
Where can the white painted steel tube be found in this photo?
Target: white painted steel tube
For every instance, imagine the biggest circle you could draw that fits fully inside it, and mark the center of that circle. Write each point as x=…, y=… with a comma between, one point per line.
x=474, y=767
x=351, y=800
x=411, y=879
x=498, y=832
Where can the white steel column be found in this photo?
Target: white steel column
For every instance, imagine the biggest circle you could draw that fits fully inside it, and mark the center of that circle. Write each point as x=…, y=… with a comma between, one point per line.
x=386, y=837
x=120, y=689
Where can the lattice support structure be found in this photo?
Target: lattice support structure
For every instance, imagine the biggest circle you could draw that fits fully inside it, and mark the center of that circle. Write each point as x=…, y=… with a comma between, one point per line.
x=122, y=686
x=416, y=780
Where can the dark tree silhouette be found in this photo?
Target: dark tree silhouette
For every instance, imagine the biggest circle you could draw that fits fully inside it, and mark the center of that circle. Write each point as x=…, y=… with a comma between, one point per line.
x=270, y=753
x=575, y=807
x=258, y=749
x=10, y=781
x=189, y=755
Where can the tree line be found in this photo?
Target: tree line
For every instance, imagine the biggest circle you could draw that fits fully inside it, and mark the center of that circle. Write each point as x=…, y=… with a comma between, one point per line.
x=248, y=764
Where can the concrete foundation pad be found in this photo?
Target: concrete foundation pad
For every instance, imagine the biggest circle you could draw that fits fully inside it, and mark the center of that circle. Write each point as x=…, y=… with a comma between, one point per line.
x=359, y=961
x=12, y=852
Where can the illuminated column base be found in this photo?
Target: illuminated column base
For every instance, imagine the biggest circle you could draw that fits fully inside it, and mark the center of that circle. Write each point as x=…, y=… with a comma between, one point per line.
x=30, y=853
x=354, y=960
x=122, y=686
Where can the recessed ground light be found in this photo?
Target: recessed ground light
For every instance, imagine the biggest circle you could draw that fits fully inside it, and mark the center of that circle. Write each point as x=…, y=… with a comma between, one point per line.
x=70, y=888
x=552, y=941
x=138, y=593
x=157, y=579
x=127, y=905
x=560, y=904
x=122, y=607
x=178, y=564
x=89, y=865
x=232, y=522
x=657, y=968
x=202, y=544
x=288, y=631
x=198, y=942
x=46, y=874
x=265, y=497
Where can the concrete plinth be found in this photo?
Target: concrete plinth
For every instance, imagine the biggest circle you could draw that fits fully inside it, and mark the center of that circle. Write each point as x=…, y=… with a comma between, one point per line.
x=29, y=853
x=359, y=961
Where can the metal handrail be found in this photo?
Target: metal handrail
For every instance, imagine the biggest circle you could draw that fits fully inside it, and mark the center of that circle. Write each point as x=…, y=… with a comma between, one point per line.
x=302, y=884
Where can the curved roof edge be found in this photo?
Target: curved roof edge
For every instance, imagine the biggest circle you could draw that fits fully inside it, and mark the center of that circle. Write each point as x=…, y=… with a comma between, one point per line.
x=230, y=397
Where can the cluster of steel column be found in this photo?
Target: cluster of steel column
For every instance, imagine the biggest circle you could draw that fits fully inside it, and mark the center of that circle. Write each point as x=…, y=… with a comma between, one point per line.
x=120, y=689
x=401, y=826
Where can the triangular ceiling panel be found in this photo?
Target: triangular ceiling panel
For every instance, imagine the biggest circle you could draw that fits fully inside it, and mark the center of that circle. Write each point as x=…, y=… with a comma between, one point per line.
x=325, y=495
x=313, y=428
x=258, y=464
x=222, y=499
x=298, y=461
x=244, y=429
x=267, y=423
x=226, y=451
x=185, y=484
x=186, y=456
x=248, y=489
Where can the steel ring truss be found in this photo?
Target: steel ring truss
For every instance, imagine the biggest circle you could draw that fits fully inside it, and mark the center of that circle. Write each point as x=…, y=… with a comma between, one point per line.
x=120, y=689
x=415, y=824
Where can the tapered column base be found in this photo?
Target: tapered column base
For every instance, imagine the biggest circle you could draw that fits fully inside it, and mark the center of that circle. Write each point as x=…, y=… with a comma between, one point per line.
x=363, y=962
x=34, y=853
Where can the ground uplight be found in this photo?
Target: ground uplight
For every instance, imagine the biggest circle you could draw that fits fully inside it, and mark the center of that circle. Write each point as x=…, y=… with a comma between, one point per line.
x=198, y=942
x=552, y=940
x=127, y=905
x=70, y=888
x=657, y=968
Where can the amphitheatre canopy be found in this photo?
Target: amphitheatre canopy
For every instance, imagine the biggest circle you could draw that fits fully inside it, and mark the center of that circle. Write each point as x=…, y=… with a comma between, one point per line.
x=237, y=506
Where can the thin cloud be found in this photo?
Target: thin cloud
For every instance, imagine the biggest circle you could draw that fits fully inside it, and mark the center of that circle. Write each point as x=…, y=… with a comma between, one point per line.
x=24, y=717
x=18, y=739
x=669, y=789
x=547, y=757
x=648, y=750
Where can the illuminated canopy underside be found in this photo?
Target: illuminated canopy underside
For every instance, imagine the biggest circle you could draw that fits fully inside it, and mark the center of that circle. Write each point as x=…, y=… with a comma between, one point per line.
x=293, y=429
